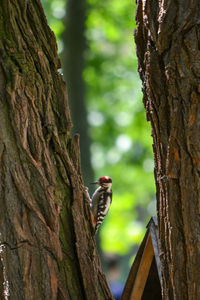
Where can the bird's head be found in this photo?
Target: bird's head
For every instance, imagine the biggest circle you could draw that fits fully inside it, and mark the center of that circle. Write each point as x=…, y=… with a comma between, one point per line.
x=104, y=181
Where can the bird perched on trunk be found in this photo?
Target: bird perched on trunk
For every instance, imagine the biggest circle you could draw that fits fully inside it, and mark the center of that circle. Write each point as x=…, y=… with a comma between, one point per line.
x=100, y=202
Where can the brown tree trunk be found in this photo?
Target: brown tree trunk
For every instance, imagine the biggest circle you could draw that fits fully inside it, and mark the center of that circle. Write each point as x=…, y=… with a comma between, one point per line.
x=46, y=247
x=168, y=39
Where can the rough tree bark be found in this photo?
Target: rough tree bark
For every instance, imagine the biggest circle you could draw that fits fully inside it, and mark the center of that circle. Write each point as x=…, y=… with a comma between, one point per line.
x=168, y=49
x=46, y=247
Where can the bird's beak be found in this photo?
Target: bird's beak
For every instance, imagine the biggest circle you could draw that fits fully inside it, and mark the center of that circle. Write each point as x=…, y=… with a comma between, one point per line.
x=95, y=182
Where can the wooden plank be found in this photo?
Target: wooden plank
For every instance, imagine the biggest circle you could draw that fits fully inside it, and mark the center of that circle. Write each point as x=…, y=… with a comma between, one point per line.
x=143, y=271
x=134, y=270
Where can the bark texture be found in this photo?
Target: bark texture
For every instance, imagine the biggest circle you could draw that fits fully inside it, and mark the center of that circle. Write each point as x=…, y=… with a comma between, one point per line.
x=168, y=49
x=46, y=248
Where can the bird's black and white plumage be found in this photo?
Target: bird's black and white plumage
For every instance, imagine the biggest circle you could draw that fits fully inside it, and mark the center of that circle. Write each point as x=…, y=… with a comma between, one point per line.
x=101, y=201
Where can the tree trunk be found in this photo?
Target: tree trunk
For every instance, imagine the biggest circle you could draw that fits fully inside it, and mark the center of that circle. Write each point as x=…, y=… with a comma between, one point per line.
x=46, y=247
x=73, y=64
x=168, y=39
x=73, y=58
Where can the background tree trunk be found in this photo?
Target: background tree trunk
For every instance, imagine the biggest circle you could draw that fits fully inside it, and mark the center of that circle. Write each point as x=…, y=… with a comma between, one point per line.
x=73, y=64
x=73, y=59
x=168, y=39
x=47, y=251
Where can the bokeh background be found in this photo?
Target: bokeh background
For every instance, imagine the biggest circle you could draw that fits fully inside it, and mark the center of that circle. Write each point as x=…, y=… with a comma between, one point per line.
x=98, y=56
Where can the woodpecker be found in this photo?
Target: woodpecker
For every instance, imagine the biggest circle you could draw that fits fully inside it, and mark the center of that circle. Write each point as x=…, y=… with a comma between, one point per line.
x=101, y=200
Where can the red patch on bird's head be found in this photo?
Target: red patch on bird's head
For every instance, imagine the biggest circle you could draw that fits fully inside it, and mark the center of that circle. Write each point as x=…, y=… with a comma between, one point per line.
x=105, y=179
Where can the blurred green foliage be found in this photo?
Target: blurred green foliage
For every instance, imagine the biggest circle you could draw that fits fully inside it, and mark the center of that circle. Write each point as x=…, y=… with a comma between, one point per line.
x=121, y=137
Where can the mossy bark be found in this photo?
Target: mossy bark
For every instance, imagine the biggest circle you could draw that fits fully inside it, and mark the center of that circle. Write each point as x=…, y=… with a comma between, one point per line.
x=46, y=247
x=168, y=39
